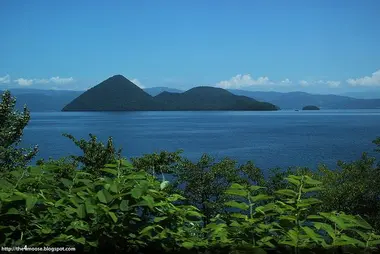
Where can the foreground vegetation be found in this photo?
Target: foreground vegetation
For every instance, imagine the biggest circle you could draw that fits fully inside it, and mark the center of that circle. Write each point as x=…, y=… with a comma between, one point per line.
x=100, y=202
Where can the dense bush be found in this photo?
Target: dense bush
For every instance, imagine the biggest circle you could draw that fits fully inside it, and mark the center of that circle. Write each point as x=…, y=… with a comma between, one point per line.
x=100, y=202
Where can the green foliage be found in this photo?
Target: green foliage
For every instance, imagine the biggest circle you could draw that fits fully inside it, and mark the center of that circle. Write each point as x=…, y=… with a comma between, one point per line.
x=100, y=202
x=95, y=154
x=352, y=188
x=12, y=124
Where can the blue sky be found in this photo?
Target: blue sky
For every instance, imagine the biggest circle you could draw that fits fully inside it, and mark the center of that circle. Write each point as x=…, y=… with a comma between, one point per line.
x=317, y=46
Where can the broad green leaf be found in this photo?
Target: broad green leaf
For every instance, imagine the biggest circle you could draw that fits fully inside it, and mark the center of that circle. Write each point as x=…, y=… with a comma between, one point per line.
x=23, y=195
x=109, y=170
x=85, y=181
x=113, y=216
x=188, y=245
x=81, y=211
x=30, y=202
x=175, y=197
x=66, y=182
x=335, y=218
x=164, y=184
x=13, y=211
x=137, y=176
x=5, y=183
x=260, y=197
x=314, y=217
x=46, y=231
x=308, y=202
x=313, y=189
x=360, y=222
x=110, y=166
x=158, y=219
x=311, y=181
x=80, y=240
x=114, y=187
x=374, y=243
x=235, y=204
x=137, y=192
x=314, y=236
x=194, y=213
x=104, y=196
x=287, y=217
x=15, y=198
x=114, y=207
x=352, y=241
x=287, y=192
x=237, y=190
x=326, y=227
x=291, y=179
x=149, y=201
x=255, y=188
x=80, y=225
x=93, y=244
x=89, y=207
x=239, y=216
x=124, y=205
x=147, y=230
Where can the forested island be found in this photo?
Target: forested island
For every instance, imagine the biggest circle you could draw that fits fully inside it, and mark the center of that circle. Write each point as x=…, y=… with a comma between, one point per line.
x=100, y=202
x=117, y=93
x=310, y=107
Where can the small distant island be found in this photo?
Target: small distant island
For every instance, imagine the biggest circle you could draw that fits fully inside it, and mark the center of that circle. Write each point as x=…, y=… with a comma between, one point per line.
x=310, y=107
x=117, y=93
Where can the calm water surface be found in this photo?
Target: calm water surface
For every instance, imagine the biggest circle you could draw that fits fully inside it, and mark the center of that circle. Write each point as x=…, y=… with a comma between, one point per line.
x=270, y=139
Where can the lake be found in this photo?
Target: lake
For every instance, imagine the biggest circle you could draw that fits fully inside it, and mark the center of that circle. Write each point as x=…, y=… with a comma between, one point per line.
x=269, y=139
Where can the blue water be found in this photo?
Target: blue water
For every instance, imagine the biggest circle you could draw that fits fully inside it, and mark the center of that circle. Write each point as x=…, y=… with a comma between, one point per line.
x=269, y=139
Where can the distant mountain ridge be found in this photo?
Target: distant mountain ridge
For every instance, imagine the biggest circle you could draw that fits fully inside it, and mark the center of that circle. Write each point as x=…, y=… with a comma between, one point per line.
x=113, y=94
x=39, y=100
x=297, y=100
x=117, y=93
x=153, y=91
x=43, y=100
x=209, y=98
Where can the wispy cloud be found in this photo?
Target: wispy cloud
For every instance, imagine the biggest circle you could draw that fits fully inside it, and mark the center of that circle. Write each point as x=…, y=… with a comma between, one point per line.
x=245, y=80
x=286, y=82
x=332, y=83
x=373, y=80
x=54, y=80
x=5, y=79
x=41, y=81
x=58, y=80
x=304, y=83
x=24, y=82
x=137, y=83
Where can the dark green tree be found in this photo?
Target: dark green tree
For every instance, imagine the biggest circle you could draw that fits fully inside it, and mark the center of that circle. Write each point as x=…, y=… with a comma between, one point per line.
x=95, y=154
x=12, y=124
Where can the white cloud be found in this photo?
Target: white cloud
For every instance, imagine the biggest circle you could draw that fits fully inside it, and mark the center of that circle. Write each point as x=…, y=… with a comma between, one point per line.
x=304, y=83
x=41, y=81
x=137, y=83
x=58, y=80
x=286, y=82
x=332, y=83
x=55, y=80
x=24, y=82
x=245, y=80
x=5, y=80
x=373, y=80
